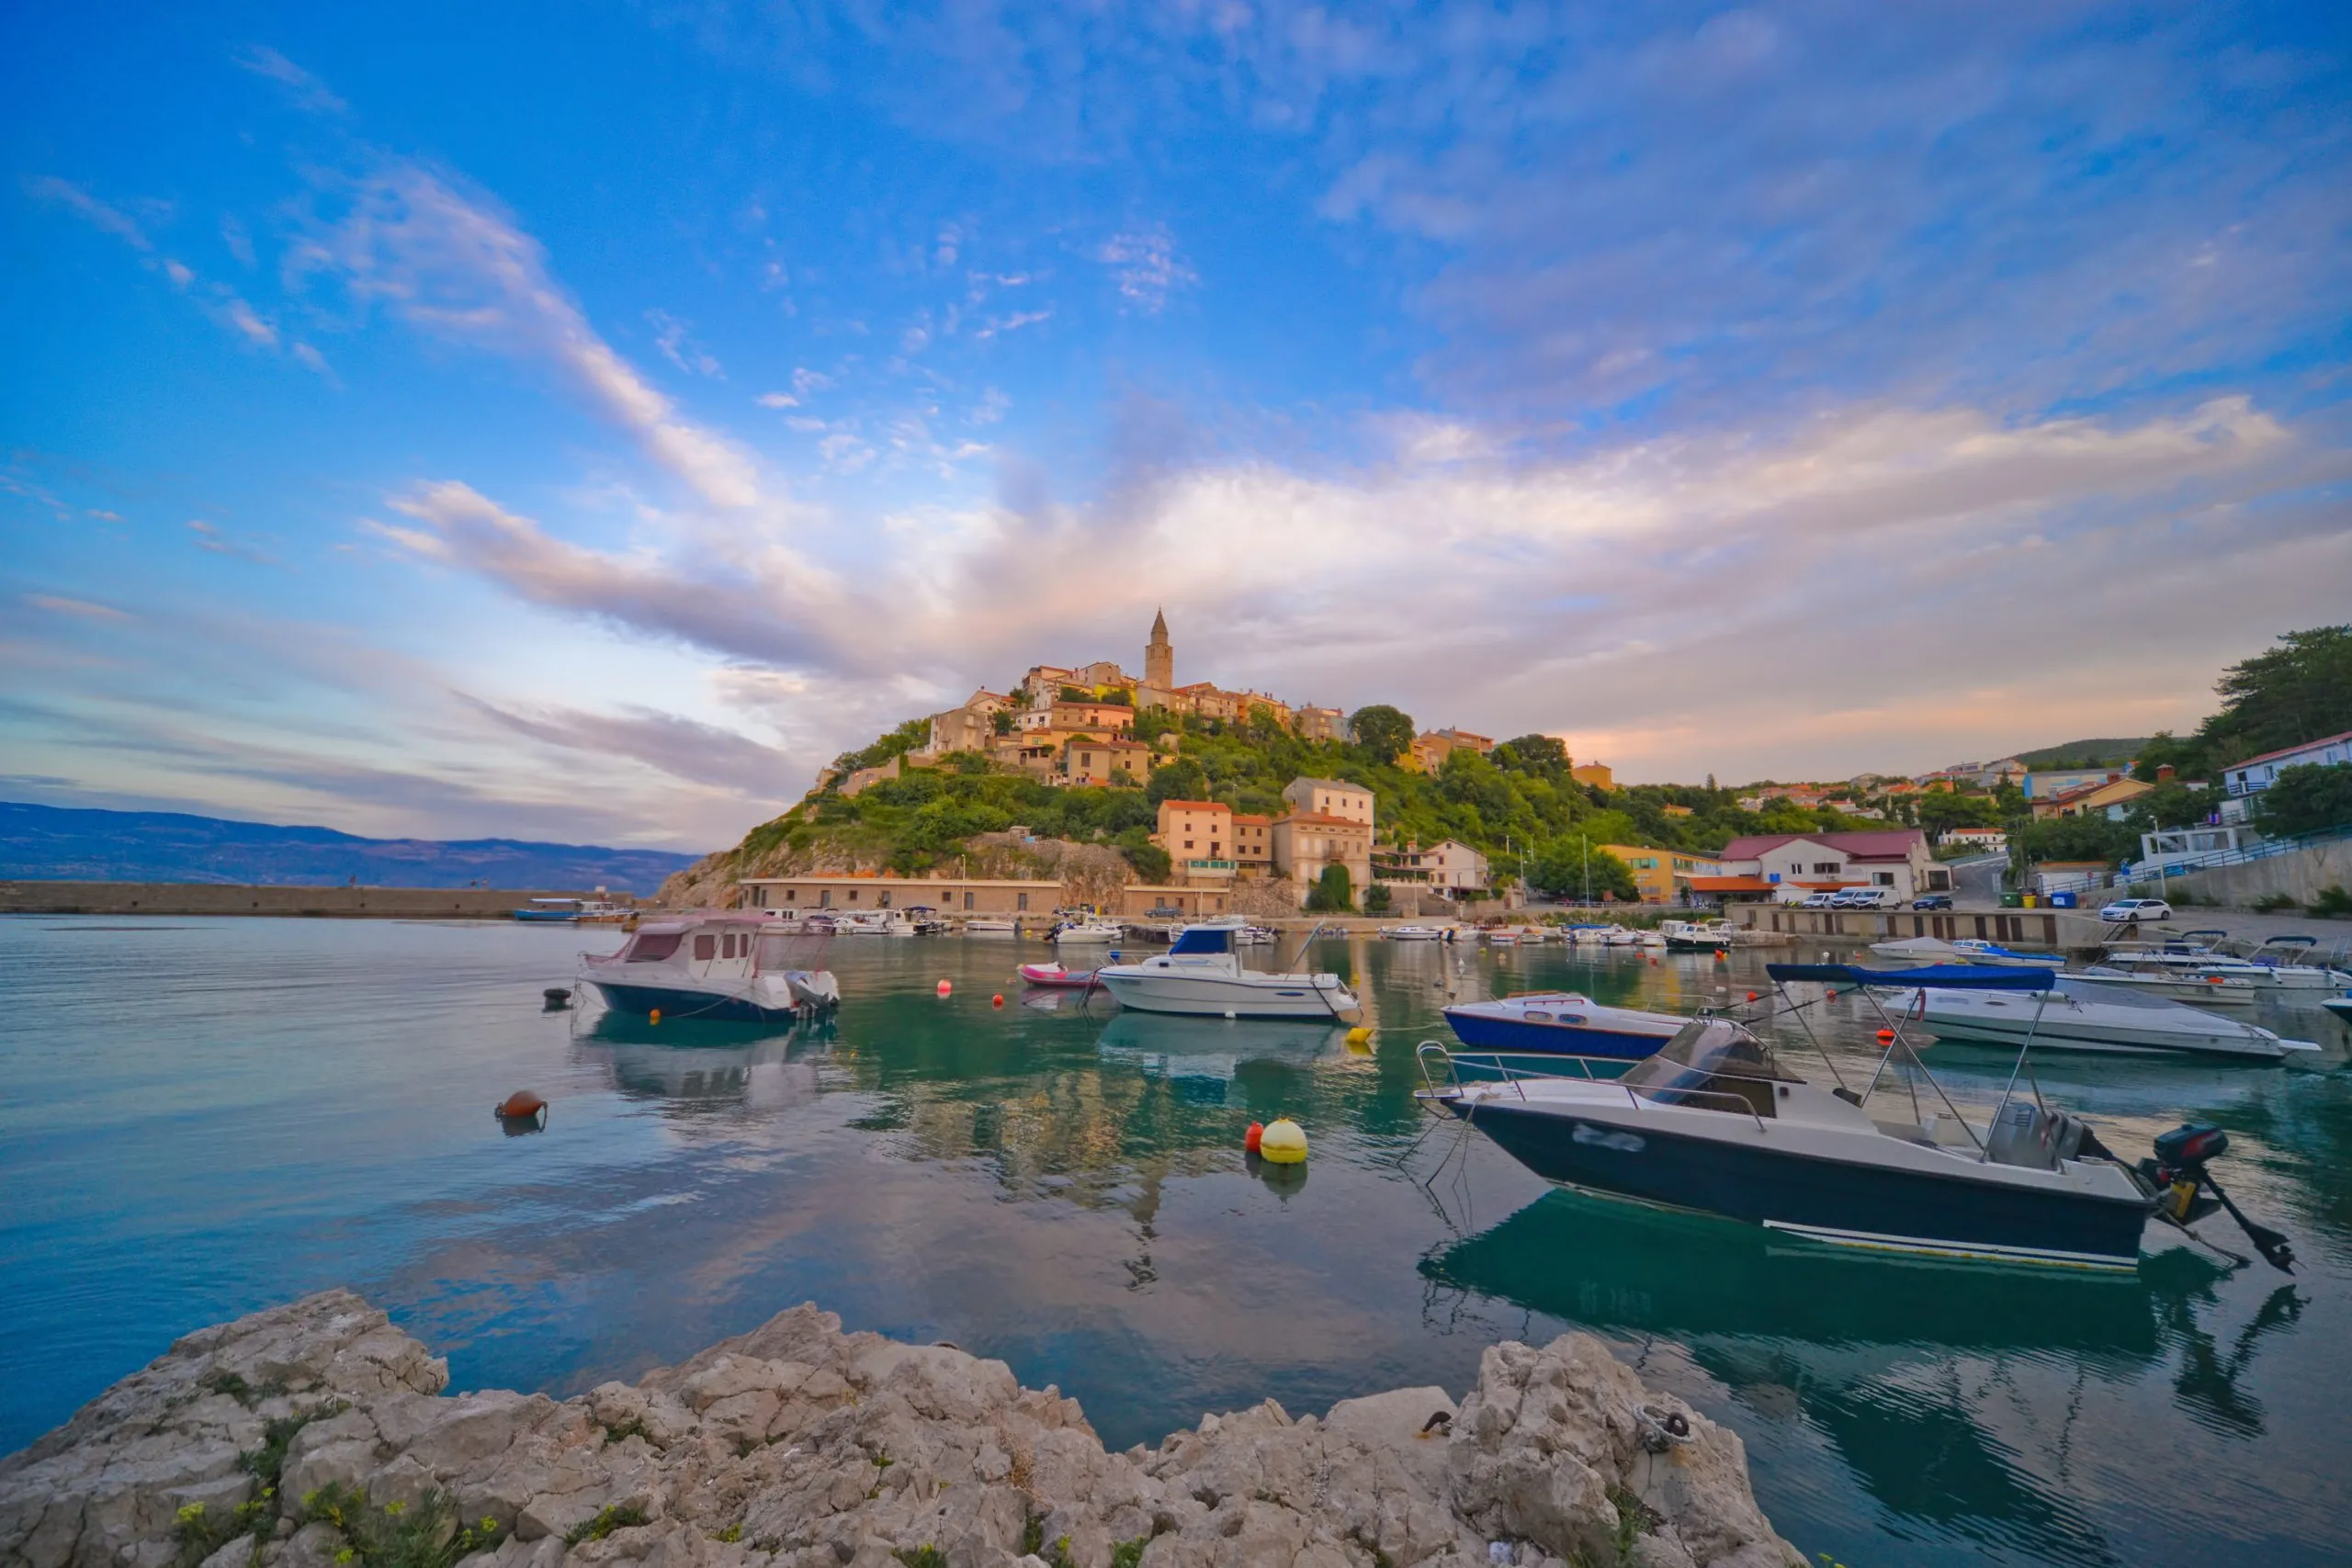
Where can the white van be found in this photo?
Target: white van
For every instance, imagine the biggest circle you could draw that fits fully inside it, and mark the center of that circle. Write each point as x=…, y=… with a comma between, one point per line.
x=1866, y=899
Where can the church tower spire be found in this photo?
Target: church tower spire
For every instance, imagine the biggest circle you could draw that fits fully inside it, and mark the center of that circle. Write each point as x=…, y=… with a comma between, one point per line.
x=1158, y=658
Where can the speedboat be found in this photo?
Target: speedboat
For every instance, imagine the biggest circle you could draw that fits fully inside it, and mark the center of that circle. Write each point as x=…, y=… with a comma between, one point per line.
x=573, y=912
x=2069, y=1012
x=1053, y=977
x=2257, y=969
x=1254, y=936
x=1715, y=1122
x=1413, y=933
x=732, y=966
x=1502, y=936
x=1967, y=950
x=1202, y=975
x=1087, y=931
x=1696, y=936
x=1561, y=1024
x=2206, y=991
x=991, y=925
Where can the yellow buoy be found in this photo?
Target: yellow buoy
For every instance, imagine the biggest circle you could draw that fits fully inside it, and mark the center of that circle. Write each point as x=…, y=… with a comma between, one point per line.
x=1284, y=1142
x=1359, y=1035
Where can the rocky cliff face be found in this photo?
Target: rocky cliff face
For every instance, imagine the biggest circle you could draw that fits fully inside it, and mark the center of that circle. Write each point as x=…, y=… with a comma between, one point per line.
x=317, y=1435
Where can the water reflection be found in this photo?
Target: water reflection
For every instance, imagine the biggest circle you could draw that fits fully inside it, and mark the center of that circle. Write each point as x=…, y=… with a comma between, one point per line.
x=1951, y=1392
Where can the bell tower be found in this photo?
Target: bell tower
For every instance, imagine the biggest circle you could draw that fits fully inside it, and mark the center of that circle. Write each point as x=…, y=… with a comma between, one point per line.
x=1158, y=658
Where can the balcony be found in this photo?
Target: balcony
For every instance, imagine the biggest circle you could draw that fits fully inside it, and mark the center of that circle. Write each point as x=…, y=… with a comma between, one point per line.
x=1209, y=865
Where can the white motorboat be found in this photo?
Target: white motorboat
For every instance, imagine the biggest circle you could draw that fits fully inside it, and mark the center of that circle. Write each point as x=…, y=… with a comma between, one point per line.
x=2203, y=964
x=2209, y=991
x=1202, y=975
x=2340, y=1006
x=1502, y=936
x=991, y=925
x=2077, y=1013
x=1696, y=936
x=735, y=965
x=1713, y=1122
x=1412, y=933
x=1254, y=936
x=1088, y=930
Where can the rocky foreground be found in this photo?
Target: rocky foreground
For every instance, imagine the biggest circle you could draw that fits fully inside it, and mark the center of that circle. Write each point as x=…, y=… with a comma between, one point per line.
x=316, y=1435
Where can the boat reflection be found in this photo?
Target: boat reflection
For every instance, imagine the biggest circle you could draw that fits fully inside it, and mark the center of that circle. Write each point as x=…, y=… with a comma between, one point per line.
x=1201, y=1055
x=701, y=1065
x=1945, y=1389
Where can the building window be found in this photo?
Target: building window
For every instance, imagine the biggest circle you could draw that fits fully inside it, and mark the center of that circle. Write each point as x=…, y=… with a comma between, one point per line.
x=968, y=898
x=883, y=900
x=1021, y=901
x=825, y=899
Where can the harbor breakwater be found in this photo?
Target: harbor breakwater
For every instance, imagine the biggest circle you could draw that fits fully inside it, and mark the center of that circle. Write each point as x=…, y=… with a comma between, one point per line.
x=316, y=1435
x=223, y=899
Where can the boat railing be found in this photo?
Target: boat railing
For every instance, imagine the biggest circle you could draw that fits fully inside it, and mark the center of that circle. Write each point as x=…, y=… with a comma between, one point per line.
x=1517, y=1078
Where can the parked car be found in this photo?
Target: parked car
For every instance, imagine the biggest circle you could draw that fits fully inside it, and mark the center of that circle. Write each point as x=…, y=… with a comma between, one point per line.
x=1932, y=901
x=1864, y=898
x=1818, y=901
x=2135, y=909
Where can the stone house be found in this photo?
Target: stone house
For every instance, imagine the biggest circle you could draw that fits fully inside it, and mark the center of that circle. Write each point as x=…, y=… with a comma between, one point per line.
x=1330, y=798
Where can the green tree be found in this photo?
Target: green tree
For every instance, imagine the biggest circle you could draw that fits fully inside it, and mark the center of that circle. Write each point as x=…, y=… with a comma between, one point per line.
x=1150, y=861
x=1940, y=811
x=1568, y=865
x=1376, y=900
x=2079, y=838
x=1384, y=731
x=1333, y=891
x=2283, y=696
x=1183, y=778
x=1544, y=756
x=2305, y=799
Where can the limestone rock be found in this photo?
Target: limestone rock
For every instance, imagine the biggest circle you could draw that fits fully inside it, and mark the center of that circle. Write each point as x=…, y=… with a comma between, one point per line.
x=798, y=1445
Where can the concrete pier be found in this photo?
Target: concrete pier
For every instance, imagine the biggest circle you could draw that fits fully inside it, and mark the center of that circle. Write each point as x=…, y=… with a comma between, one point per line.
x=220, y=899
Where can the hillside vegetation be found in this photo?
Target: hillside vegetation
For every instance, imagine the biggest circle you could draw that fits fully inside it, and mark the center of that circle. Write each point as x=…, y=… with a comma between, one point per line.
x=1518, y=805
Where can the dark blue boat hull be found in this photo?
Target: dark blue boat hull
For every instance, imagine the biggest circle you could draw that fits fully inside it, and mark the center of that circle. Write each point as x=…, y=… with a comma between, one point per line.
x=1869, y=1206
x=1485, y=1033
x=675, y=1004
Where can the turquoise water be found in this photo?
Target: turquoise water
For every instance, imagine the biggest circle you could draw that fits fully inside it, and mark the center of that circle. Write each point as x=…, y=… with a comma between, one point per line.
x=201, y=1118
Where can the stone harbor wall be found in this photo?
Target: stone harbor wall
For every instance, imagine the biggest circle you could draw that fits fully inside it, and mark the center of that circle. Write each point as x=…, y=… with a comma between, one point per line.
x=316, y=1435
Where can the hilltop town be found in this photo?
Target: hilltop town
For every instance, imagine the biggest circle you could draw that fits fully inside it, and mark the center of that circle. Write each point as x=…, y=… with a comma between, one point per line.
x=1144, y=795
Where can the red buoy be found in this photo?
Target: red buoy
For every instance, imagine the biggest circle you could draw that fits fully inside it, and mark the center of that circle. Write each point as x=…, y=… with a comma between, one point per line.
x=520, y=1106
x=946, y=987
x=1751, y=996
x=996, y=1000
x=1887, y=1037
x=1250, y=1139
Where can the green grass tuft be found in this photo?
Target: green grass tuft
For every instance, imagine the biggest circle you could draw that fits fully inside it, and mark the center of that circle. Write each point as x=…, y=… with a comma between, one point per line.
x=619, y=1516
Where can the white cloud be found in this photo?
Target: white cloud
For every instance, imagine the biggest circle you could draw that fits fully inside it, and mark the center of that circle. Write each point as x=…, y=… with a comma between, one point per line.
x=1146, y=268
x=669, y=335
x=777, y=400
x=456, y=267
x=244, y=320
x=1989, y=572
x=306, y=90
x=98, y=214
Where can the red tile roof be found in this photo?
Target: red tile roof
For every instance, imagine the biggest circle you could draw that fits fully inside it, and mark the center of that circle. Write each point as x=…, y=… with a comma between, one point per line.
x=2289, y=750
x=1892, y=844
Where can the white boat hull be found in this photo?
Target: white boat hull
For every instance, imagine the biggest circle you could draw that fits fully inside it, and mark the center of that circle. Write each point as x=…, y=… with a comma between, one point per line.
x=1250, y=995
x=2066, y=1024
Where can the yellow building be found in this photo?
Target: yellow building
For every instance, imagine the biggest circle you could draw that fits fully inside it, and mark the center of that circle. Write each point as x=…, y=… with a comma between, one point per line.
x=1594, y=774
x=1086, y=760
x=1664, y=876
x=1198, y=837
x=1253, y=844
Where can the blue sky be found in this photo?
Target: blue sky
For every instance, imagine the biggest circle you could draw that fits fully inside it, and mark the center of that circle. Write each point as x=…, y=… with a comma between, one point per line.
x=582, y=422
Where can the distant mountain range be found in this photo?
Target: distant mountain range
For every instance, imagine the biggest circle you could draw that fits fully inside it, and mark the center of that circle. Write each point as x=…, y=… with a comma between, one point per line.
x=48, y=843
x=2085, y=753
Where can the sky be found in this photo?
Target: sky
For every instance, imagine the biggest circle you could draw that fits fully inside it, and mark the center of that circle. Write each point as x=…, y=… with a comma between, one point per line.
x=583, y=422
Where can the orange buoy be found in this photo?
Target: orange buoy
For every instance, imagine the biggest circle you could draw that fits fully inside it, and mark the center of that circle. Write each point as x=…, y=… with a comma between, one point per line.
x=996, y=1000
x=1721, y=957
x=519, y=1106
x=1832, y=997
x=1250, y=1139
x=1887, y=1037
x=1751, y=996
x=944, y=988
x=654, y=1017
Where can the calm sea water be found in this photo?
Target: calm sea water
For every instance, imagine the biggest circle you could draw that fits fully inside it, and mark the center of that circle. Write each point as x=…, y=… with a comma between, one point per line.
x=201, y=1118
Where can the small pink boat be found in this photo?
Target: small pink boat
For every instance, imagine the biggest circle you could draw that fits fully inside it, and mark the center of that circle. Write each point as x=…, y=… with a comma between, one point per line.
x=1054, y=977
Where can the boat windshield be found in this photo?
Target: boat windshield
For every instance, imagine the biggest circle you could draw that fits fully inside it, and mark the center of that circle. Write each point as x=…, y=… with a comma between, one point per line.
x=1203, y=938
x=652, y=947
x=1712, y=1065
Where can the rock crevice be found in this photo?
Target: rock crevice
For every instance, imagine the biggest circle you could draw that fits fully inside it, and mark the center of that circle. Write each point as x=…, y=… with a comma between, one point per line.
x=316, y=1435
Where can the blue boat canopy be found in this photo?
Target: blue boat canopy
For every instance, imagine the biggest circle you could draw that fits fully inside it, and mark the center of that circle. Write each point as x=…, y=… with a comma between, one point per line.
x=1203, y=938
x=1957, y=977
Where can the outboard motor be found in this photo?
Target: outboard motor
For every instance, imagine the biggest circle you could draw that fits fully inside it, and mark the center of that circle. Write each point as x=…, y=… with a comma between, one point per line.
x=2179, y=1175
